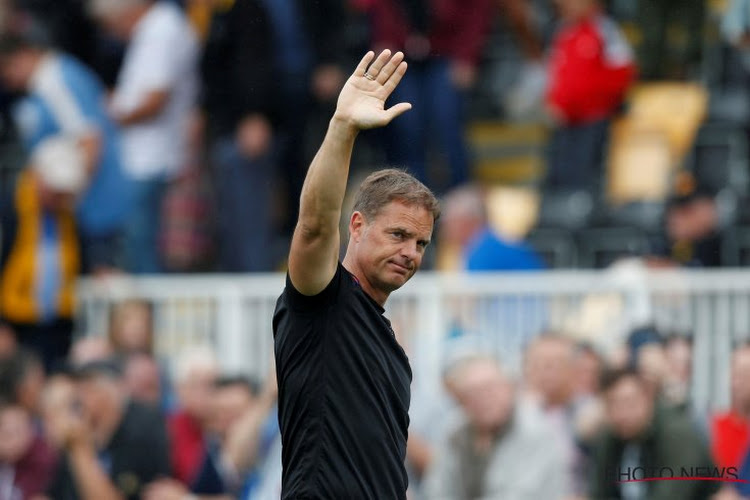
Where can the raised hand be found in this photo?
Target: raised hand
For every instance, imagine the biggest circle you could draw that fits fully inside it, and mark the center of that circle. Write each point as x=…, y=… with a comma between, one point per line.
x=361, y=102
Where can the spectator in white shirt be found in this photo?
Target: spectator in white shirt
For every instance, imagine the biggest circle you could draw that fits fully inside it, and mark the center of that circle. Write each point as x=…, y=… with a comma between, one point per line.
x=155, y=93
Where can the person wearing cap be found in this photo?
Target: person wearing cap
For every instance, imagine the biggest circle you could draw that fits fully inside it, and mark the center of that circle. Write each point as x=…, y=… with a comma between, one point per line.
x=39, y=258
x=111, y=446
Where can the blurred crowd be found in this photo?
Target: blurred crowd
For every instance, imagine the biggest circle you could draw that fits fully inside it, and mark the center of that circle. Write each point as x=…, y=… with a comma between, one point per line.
x=182, y=137
x=142, y=137
x=114, y=420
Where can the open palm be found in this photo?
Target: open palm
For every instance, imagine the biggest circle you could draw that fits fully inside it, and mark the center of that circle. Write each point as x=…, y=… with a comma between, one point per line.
x=362, y=100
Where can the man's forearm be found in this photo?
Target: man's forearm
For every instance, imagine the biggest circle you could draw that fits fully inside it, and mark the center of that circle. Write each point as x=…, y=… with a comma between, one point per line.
x=325, y=185
x=150, y=107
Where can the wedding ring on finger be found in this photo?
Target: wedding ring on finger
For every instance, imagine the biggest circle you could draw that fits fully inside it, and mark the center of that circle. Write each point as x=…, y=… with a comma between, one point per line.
x=369, y=77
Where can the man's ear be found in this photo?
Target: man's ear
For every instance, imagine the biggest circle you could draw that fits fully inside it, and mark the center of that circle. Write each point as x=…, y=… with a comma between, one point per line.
x=357, y=225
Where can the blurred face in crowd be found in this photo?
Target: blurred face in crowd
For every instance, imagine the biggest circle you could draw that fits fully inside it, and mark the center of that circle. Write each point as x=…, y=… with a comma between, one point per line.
x=550, y=370
x=629, y=407
x=462, y=218
x=132, y=329
x=8, y=343
x=389, y=249
x=652, y=365
x=587, y=370
x=230, y=404
x=142, y=380
x=573, y=10
x=17, y=68
x=692, y=221
x=117, y=17
x=740, y=377
x=58, y=399
x=195, y=392
x=16, y=434
x=679, y=353
x=485, y=394
x=30, y=386
x=101, y=399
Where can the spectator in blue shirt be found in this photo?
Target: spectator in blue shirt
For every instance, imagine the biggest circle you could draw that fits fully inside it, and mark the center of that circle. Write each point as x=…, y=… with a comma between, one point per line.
x=465, y=224
x=64, y=97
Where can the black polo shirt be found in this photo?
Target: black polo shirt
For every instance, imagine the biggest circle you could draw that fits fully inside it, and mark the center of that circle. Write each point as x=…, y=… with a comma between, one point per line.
x=344, y=391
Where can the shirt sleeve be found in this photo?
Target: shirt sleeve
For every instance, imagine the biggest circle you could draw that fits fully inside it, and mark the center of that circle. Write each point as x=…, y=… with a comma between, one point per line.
x=162, y=53
x=328, y=296
x=59, y=96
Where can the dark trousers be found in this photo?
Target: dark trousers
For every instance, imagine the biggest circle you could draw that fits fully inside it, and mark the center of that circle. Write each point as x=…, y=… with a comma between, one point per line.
x=576, y=156
x=245, y=189
x=50, y=341
x=435, y=123
x=660, y=59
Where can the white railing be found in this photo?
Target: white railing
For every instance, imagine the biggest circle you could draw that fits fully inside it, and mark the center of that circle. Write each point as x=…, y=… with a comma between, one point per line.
x=496, y=313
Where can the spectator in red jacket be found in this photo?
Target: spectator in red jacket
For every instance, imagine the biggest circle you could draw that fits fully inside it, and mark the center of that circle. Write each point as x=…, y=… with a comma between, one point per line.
x=195, y=372
x=590, y=69
x=730, y=431
x=442, y=41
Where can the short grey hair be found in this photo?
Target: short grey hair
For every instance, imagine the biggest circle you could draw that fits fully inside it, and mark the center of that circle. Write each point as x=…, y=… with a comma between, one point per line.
x=391, y=184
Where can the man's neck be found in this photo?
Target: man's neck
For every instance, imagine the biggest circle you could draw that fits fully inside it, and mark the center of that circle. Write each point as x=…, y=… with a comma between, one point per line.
x=375, y=294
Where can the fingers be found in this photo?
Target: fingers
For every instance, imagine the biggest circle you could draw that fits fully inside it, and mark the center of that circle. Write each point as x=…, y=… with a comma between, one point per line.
x=395, y=78
x=397, y=110
x=362, y=66
x=374, y=69
x=390, y=68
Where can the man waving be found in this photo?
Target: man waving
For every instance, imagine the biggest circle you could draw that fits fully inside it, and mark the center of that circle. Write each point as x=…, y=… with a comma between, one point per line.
x=343, y=378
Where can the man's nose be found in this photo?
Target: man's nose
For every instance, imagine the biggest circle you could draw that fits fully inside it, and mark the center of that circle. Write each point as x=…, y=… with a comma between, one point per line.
x=410, y=251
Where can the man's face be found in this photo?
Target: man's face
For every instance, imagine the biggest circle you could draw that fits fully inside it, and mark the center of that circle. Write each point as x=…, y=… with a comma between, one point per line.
x=550, y=370
x=390, y=248
x=629, y=408
x=16, y=434
x=572, y=10
x=230, y=404
x=196, y=391
x=93, y=395
x=587, y=370
x=30, y=388
x=485, y=396
x=142, y=379
x=16, y=70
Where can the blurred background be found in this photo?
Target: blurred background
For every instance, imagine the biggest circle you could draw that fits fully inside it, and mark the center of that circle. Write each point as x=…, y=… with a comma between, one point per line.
x=585, y=286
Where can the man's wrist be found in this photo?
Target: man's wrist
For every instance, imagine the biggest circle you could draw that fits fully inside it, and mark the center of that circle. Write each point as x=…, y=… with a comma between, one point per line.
x=343, y=125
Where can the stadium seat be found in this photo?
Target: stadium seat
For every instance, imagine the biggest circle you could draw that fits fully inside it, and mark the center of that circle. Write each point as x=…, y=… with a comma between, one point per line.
x=557, y=246
x=672, y=108
x=640, y=166
x=570, y=210
x=600, y=247
x=735, y=247
x=718, y=159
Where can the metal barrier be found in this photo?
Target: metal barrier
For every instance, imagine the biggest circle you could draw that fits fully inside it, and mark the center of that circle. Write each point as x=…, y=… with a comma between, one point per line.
x=438, y=316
